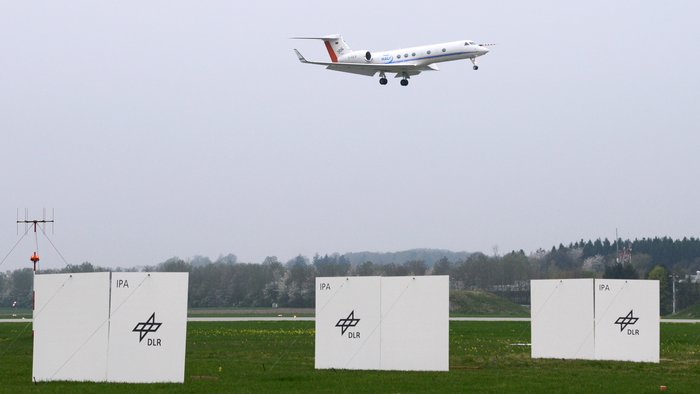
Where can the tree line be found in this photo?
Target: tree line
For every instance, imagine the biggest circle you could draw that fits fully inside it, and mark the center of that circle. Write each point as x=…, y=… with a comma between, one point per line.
x=226, y=282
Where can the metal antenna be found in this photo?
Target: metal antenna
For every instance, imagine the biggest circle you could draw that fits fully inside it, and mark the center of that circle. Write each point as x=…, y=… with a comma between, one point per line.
x=35, y=222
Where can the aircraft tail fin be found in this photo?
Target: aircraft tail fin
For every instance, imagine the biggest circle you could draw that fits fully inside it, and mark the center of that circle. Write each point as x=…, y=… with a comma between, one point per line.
x=335, y=45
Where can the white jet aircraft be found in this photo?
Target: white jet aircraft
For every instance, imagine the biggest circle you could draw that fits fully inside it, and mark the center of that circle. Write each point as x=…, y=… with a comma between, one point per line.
x=405, y=63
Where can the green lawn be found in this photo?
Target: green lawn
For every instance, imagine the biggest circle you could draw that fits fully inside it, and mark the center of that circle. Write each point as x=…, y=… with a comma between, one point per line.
x=279, y=356
x=482, y=303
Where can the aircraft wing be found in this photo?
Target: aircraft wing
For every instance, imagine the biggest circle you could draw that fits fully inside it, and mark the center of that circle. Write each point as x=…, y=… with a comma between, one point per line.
x=370, y=69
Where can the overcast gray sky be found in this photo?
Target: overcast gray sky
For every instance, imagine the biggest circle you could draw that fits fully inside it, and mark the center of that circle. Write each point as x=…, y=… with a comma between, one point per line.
x=176, y=128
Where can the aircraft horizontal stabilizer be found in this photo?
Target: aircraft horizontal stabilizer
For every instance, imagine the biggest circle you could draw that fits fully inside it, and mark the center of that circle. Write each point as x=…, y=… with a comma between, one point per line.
x=328, y=37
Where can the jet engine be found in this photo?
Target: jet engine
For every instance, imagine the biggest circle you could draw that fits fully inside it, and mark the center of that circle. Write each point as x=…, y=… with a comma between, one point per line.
x=359, y=56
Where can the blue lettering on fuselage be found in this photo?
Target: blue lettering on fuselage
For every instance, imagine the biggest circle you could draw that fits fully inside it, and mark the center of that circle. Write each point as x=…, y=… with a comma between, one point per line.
x=387, y=59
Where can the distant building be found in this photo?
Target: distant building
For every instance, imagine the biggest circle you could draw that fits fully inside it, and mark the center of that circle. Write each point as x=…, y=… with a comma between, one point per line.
x=694, y=278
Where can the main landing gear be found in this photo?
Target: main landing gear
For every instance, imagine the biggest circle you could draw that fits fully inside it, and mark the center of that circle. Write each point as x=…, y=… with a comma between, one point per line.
x=404, y=81
x=384, y=81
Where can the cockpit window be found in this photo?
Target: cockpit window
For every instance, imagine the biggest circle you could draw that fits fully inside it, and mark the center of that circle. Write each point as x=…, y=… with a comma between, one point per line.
x=469, y=43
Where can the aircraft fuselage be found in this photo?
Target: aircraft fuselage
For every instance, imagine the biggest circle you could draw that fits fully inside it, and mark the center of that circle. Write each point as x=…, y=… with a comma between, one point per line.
x=420, y=56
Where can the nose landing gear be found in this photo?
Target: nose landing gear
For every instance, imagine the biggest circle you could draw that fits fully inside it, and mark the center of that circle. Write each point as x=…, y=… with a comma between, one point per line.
x=476, y=66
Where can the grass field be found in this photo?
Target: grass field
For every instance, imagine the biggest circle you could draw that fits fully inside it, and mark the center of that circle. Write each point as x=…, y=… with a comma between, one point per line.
x=482, y=303
x=279, y=356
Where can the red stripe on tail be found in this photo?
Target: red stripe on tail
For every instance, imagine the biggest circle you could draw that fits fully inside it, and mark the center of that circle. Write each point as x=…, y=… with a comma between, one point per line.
x=334, y=58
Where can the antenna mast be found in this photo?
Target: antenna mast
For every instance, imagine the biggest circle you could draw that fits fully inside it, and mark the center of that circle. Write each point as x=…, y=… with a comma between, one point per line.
x=35, y=222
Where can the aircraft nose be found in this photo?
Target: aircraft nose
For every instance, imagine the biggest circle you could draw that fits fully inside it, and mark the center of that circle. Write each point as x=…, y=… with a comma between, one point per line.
x=483, y=50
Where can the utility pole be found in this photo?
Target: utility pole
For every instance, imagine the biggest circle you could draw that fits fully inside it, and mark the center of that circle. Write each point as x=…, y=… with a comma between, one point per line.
x=673, y=284
x=674, y=294
x=673, y=287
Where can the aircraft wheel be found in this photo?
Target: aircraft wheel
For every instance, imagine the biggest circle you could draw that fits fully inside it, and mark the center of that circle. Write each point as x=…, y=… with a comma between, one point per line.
x=475, y=68
x=404, y=82
x=383, y=81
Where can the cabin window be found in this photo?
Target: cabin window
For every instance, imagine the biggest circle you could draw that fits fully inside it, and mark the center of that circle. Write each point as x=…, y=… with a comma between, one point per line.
x=413, y=54
x=405, y=55
x=398, y=56
x=443, y=49
x=428, y=52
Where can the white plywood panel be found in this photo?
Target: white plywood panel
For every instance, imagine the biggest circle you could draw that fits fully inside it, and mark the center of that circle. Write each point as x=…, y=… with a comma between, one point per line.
x=71, y=313
x=415, y=323
x=627, y=320
x=148, y=327
x=562, y=318
x=347, y=323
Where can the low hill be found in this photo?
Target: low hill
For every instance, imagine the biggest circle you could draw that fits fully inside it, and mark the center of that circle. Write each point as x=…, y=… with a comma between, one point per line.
x=482, y=303
x=430, y=256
